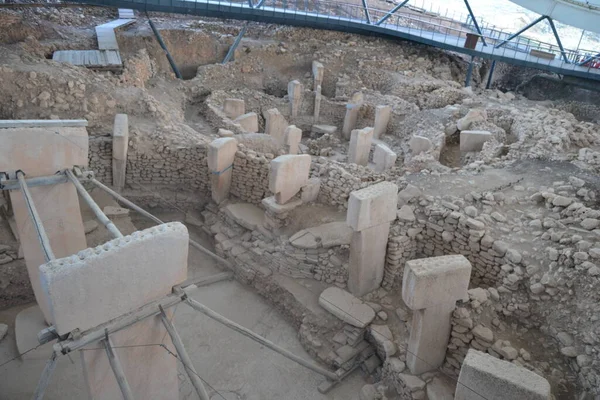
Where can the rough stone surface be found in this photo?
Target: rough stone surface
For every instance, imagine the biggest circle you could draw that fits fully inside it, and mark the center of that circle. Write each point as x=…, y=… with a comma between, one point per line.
x=383, y=158
x=382, y=119
x=419, y=144
x=372, y=206
x=360, y=146
x=473, y=140
x=346, y=307
x=248, y=122
x=233, y=108
x=275, y=125
x=289, y=173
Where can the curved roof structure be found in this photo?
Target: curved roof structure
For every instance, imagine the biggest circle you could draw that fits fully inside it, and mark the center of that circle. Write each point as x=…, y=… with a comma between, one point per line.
x=578, y=13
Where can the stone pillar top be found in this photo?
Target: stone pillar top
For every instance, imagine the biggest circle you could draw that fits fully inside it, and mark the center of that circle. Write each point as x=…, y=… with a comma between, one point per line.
x=372, y=206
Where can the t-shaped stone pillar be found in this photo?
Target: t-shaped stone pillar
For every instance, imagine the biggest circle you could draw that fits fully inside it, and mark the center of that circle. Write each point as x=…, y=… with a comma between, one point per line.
x=289, y=173
x=221, y=153
x=370, y=211
x=291, y=139
x=352, y=110
x=275, y=125
x=360, y=146
x=431, y=287
x=120, y=144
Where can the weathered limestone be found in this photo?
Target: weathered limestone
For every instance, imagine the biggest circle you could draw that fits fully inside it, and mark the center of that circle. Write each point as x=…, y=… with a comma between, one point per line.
x=483, y=377
x=382, y=119
x=275, y=125
x=326, y=236
x=383, y=158
x=289, y=173
x=317, y=111
x=99, y=284
x=233, y=108
x=295, y=94
x=40, y=151
x=473, y=140
x=346, y=307
x=291, y=139
x=352, y=110
x=248, y=122
x=221, y=153
x=431, y=287
x=120, y=144
x=360, y=146
x=318, y=71
x=370, y=212
x=310, y=191
x=329, y=129
x=419, y=144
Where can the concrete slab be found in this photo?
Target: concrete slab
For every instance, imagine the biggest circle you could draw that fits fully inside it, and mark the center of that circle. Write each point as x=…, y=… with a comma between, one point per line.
x=483, y=377
x=99, y=284
x=372, y=206
x=346, y=307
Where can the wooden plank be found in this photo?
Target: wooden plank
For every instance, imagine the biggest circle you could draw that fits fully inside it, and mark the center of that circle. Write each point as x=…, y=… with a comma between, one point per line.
x=41, y=123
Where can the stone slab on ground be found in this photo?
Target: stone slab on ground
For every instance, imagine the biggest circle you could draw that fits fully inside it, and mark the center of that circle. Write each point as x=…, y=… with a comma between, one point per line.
x=473, y=140
x=100, y=284
x=248, y=122
x=330, y=129
x=27, y=325
x=419, y=144
x=483, y=377
x=326, y=235
x=373, y=205
x=346, y=307
x=247, y=215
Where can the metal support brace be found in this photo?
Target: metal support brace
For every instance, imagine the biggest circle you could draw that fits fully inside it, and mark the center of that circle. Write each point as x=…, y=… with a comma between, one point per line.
x=391, y=12
x=366, y=7
x=115, y=364
x=514, y=35
x=184, y=357
x=259, y=4
x=146, y=214
x=35, y=218
x=164, y=47
x=114, y=231
x=587, y=60
x=491, y=75
x=237, y=41
x=250, y=4
x=45, y=378
x=470, y=72
x=33, y=182
x=248, y=333
x=475, y=22
x=562, y=49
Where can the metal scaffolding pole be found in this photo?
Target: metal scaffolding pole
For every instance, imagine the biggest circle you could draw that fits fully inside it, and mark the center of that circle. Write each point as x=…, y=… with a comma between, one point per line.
x=115, y=364
x=35, y=218
x=514, y=35
x=562, y=49
x=114, y=231
x=164, y=47
x=237, y=41
x=33, y=182
x=45, y=378
x=366, y=8
x=391, y=12
x=475, y=22
x=248, y=333
x=491, y=75
x=470, y=72
x=184, y=357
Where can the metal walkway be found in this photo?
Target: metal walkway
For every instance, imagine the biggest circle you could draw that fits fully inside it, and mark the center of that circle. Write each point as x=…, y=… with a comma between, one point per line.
x=398, y=23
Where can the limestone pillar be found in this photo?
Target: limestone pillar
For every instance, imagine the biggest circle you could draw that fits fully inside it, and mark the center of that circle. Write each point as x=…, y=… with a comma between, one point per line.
x=120, y=144
x=431, y=287
x=248, y=122
x=382, y=119
x=291, y=139
x=295, y=94
x=117, y=278
x=419, y=144
x=370, y=212
x=360, y=146
x=317, y=70
x=352, y=110
x=384, y=158
x=317, y=112
x=221, y=153
x=233, y=108
x=275, y=125
x=289, y=173
x=473, y=140
x=38, y=150
x=483, y=377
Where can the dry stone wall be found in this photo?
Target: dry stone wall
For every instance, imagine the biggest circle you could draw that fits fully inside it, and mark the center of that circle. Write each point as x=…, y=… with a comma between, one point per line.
x=250, y=180
x=100, y=158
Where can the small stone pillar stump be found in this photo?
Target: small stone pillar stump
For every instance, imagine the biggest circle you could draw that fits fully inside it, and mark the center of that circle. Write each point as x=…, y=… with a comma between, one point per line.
x=120, y=143
x=352, y=110
x=360, y=146
x=221, y=153
x=295, y=94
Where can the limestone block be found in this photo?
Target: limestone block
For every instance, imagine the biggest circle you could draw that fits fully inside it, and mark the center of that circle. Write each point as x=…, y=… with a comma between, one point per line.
x=473, y=140
x=247, y=215
x=295, y=94
x=289, y=173
x=318, y=98
x=372, y=206
x=346, y=307
x=474, y=115
x=367, y=259
x=310, y=191
x=325, y=236
x=352, y=110
x=42, y=151
x=233, y=108
x=360, y=146
x=428, y=282
x=273, y=206
x=419, y=144
x=120, y=144
x=221, y=153
x=58, y=208
x=317, y=71
x=248, y=122
x=99, y=284
x=382, y=119
x=483, y=377
x=330, y=129
x=383, y=157
x=225, y=133
x=291, y=139
x=275, y=125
